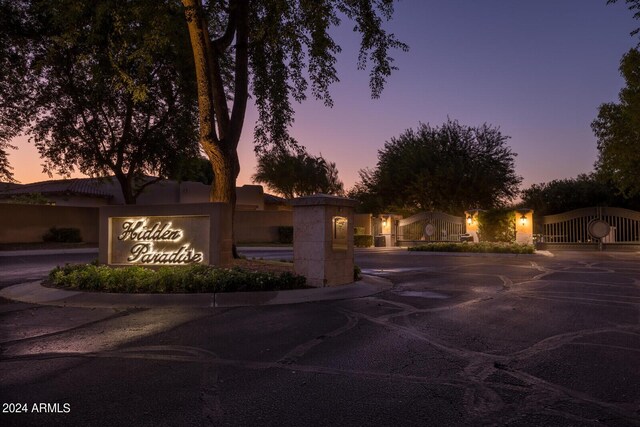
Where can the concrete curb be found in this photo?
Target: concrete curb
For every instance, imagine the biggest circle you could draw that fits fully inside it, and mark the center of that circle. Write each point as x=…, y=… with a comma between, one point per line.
x=481, y=254
x=265, y=248
x=35, y=293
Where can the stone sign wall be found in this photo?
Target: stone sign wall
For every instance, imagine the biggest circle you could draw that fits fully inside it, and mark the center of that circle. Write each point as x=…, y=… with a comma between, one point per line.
x=162, y=240
x=159, y=235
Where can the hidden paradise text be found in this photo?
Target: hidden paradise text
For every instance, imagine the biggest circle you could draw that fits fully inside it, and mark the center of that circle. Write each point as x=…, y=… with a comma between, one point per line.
x=145, y=235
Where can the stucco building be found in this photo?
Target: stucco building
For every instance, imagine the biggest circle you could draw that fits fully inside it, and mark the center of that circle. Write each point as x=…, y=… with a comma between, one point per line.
x=96, y=192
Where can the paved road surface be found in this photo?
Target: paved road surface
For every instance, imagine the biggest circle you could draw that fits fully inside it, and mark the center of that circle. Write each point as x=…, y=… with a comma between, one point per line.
x=27, y=268
x=479, y=340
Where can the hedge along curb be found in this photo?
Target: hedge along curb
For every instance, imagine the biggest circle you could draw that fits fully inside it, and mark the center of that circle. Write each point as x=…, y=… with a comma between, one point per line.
x=183, y=279
x=35, y=293
x=482, y=247
x=481, y=254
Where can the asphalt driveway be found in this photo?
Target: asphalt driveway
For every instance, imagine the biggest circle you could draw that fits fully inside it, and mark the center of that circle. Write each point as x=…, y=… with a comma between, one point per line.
x=458, y=340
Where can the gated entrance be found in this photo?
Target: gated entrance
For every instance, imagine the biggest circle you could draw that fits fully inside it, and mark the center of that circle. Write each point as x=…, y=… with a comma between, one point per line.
x=591, y=228
x=430, y=227
x=385, y=230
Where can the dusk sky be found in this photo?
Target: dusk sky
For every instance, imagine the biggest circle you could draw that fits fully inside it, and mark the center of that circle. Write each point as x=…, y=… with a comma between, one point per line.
x=537, y=69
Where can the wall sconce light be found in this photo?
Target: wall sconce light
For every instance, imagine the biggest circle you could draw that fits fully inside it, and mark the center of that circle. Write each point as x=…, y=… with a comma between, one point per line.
x=469, y=220
x=384, y=221
x=523, y=220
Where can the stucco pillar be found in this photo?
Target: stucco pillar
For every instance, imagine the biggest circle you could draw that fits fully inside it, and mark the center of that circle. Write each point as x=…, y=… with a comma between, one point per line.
x=389, y=229
x=323, y=239
x=471, y=223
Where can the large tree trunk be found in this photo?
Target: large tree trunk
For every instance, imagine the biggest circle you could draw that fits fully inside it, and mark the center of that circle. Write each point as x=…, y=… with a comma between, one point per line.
x=200, y=45
x=219, y=129
x=127, y=191
x=225, y=170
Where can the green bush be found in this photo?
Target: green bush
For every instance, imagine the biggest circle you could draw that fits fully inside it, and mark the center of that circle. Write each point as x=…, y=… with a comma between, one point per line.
x=497, y=225
x=363, y=240
x=285, y=234
x=358, y=231
x=357, y=273
x=63, y=235
x=182, y=279
x=482, y=247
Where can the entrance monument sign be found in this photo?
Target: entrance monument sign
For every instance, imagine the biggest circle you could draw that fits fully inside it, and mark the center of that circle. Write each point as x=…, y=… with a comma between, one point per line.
x=165, y=234
x=159, y=240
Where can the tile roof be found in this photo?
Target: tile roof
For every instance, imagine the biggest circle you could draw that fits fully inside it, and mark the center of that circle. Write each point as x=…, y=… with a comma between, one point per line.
x=270, y=198
x=94, y=187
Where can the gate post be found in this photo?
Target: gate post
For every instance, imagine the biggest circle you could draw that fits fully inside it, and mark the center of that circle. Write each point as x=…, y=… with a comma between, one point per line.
x=524, y=226
x=389, y=229
x=471, y=223
x=323, y=239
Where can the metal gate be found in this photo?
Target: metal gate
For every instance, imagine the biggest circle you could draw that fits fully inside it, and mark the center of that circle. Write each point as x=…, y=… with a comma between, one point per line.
x=430, y=227
x=591, y=228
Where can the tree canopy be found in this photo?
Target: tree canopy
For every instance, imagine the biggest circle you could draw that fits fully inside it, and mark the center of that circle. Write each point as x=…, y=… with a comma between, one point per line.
x=278, y=50
x=562, y=195
x=13, y=94
x=106, y=87
x=298, y=174
x=449, y=168
x=6, y=170
x=112, y=56
x=634, y=6
x=195, y=169
x=617, y=129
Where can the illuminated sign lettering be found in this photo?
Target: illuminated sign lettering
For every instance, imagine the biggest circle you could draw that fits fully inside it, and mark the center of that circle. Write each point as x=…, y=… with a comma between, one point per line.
x=177, y=240
x=139, y=230
x=144, y=253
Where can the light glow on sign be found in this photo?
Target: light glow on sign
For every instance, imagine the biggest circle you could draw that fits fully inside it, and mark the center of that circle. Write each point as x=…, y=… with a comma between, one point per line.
x=144, y=253
x=140, y=231
x=156, y=241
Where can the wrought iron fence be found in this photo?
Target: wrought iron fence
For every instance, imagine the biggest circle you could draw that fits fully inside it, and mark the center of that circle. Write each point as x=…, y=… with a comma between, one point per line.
x=430, y=227
x=620, y=227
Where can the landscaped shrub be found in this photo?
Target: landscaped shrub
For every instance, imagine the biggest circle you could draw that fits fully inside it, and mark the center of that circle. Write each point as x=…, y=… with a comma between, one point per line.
x=182, y=279
x=497, y=225
x=482, y=247
x=285, y=234
x=62, y=235
x=363, y=240
x=357, y=273
x=358, y=231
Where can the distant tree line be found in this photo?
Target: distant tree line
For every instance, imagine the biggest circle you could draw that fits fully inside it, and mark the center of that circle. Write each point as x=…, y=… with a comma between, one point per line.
x=561, y=195
x=617, y=129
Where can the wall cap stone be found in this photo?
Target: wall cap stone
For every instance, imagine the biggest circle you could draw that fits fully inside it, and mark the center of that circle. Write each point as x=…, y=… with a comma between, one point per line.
x=160, y=210
x=323, y=200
